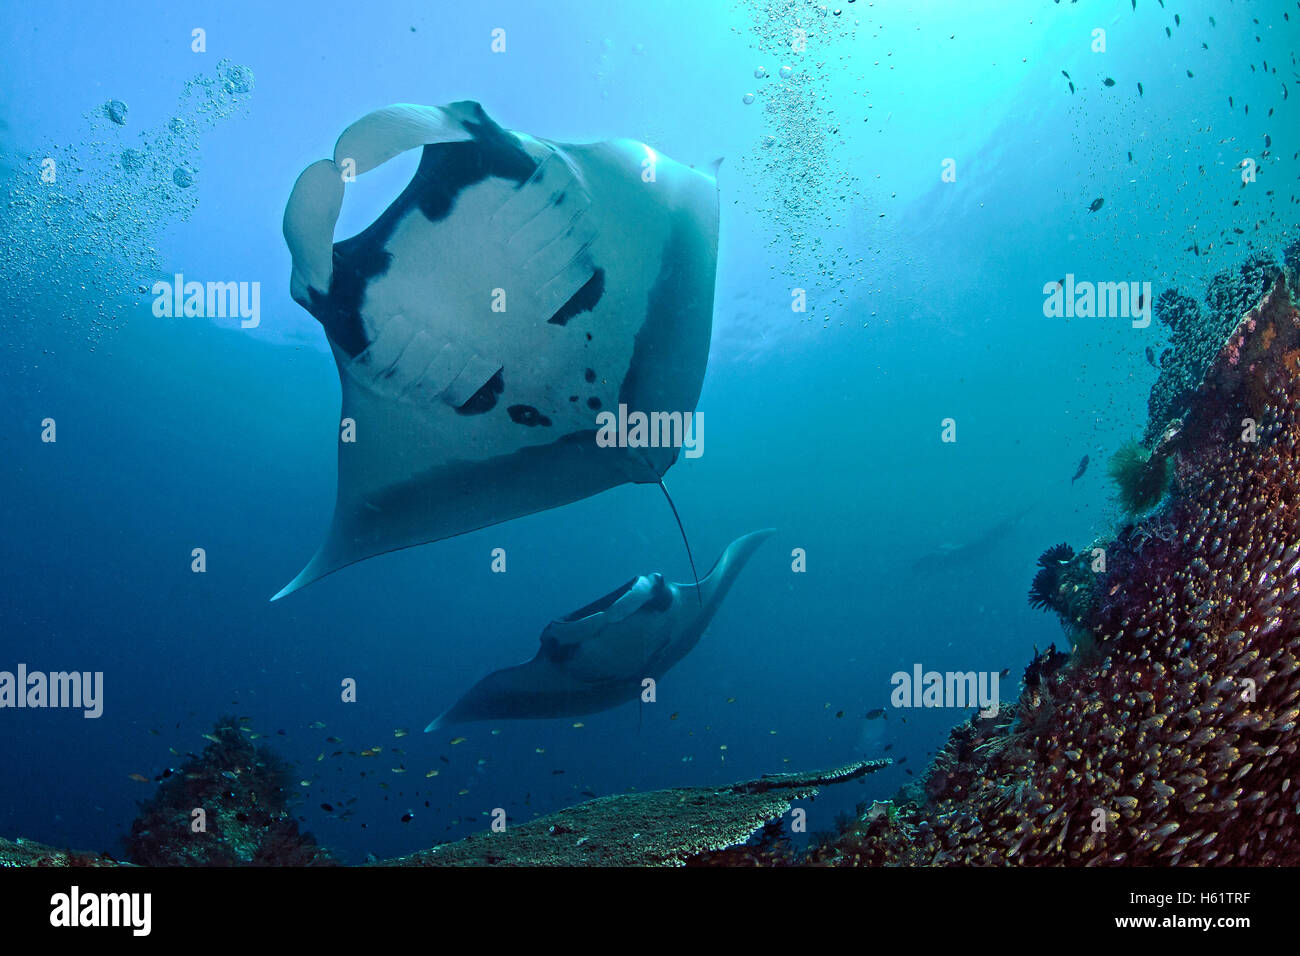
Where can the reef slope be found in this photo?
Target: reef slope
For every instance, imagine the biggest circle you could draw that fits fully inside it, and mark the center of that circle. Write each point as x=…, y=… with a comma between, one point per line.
x=1169, y=735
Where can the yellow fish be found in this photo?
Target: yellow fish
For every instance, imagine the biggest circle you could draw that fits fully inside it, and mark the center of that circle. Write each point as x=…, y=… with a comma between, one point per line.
x=317, y=724
x=399, y=770
x=320, y=756
x=138, y=777
x=215, y=739
x=400, y=732
x=579, y=724
x=432, y=773
x=673, y=716
x=457, y=740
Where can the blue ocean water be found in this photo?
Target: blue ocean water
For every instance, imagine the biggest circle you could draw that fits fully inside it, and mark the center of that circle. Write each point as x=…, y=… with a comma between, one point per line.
x=926, y=303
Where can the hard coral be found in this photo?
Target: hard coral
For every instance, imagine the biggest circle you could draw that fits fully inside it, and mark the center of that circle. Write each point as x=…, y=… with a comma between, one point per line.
x=1196, y=336
x=243, y=793
x=659, y=828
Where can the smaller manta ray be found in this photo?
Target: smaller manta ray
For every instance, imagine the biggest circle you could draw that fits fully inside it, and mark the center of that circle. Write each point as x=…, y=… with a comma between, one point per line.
x=597, y=657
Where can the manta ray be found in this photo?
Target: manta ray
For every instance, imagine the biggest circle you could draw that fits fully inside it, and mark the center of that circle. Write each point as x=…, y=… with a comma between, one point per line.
x=515, y=290
x=948, y=557
x=598, y=656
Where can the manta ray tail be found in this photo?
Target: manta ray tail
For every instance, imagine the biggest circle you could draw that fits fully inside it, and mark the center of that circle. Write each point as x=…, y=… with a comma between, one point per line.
x=695, y=574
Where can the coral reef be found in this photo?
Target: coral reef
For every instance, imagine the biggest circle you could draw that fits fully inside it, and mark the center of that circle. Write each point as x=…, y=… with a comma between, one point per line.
x=242, y=791
x=688, y=826
x=1174, y=741
x=1195, y=336
x=22, y=852
x=659, y=828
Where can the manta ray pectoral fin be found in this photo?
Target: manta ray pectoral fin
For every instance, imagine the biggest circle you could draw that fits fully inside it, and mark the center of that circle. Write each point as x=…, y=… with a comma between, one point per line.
x=723, y=574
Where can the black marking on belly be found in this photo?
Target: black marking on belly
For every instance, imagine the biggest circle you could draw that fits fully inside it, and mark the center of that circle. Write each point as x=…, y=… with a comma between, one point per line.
x=527, y=415
x=485, y=399
x=593, y=403
x=445, y=169
x=584, y=300
x=589, y=375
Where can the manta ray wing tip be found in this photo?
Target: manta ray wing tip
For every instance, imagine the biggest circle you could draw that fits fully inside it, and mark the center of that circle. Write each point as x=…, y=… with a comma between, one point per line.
x=286, y=590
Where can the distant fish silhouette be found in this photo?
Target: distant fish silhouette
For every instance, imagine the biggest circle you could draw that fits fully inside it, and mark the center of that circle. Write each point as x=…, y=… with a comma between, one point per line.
x=948, y=556
x=1096, y=204
x=1083, y=466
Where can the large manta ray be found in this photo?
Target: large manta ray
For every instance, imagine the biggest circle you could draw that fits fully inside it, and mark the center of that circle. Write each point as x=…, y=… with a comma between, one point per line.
x=598, y=656
x=514, y=290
